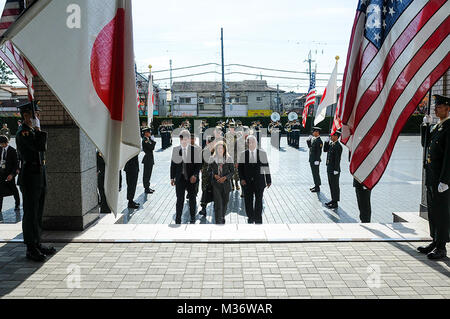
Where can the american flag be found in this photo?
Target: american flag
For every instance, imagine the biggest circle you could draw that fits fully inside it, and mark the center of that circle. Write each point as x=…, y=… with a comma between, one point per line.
x=310, y=98
x=398, y=50
x=12, y=10
x=8, y=53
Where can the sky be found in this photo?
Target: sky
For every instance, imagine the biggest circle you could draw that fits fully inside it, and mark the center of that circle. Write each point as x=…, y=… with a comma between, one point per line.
x=269, y=34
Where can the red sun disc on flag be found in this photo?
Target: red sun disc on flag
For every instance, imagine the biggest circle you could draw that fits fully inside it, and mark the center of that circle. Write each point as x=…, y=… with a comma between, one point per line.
x=108, y=65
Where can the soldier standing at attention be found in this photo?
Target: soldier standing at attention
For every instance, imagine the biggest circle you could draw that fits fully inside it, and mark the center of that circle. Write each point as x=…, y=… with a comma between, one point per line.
x=363, y=195
x=31, y=144
x=132, y=173
x=148, y=146
x=334, y=150
x=436, y=140
x=315, y=145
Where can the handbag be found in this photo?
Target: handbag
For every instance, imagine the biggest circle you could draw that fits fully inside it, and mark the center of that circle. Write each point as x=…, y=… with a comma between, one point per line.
x=209, y=197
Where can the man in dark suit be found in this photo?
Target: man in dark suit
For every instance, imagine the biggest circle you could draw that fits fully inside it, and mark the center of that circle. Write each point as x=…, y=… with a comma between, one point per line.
x=184, y=173
x=436, y=140
x=132, y=173
x=254, y=174
x=315, y=145
x=8, y=171
x=148, y=146
x=334, y=150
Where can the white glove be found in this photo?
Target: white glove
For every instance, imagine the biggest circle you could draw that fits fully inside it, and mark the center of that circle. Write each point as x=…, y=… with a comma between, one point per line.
x=328, y=139
x=317, y=163
x=310, y=138
x=153, y=138
x=442, y=188
x=36, y=123
x=428, y=119
x=336, y=173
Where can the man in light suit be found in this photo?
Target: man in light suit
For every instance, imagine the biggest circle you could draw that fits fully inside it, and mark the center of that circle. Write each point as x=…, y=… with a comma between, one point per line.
x=254, y=174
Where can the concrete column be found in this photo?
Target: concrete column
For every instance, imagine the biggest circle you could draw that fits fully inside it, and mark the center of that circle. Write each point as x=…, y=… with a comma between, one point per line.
x=442, y=87
x=71, y=202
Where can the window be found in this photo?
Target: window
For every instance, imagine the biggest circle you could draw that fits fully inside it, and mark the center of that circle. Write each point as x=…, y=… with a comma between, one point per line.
x=259, y=99
x=185, y=100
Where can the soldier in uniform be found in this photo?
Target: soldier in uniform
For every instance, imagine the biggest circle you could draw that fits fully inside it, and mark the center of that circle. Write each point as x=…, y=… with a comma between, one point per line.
x=436, y=140
x=162, y=132
x=32, y=144
x=288, y=130
x=296, y=134
x=148, y=146
x=231, y=138
x=363, y=195
x=315, y=146
x=334, y=150
x=132, y=173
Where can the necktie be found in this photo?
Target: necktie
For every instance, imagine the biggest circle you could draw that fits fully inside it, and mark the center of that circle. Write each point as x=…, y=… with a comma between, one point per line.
x=184, y=163
x=252, y=160
x=4, y=154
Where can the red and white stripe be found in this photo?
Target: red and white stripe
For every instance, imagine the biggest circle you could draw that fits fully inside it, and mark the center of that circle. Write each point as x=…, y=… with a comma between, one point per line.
x=337, y=123
x=382, y=88
x=310, y=100
x=10, y=14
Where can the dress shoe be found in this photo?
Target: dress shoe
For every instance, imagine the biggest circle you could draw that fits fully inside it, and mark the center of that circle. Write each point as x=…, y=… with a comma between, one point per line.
x=133, y=205
x=242, y=195
x=427, y=249
x=35, y=255
x=333, y=205
x=202, y=212
x=251, y=221
x=315, y=190
x=149, y=191
x=192, y=221
x=437, y=254
x=328, y=204
x=47, y=251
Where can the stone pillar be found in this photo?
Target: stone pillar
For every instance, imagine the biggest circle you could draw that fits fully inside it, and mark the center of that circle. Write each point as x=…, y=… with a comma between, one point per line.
x=442, y=87
x=71, y=202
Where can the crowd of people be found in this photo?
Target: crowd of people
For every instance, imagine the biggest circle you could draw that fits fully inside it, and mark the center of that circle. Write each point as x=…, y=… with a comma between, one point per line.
x=230, y=160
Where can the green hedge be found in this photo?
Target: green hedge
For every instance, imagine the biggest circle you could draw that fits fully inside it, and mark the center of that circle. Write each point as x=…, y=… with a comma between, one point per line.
x=411, y=127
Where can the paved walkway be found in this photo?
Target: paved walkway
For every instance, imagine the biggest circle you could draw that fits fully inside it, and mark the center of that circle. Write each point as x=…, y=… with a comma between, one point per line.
x=289, y=200
x=167, y=270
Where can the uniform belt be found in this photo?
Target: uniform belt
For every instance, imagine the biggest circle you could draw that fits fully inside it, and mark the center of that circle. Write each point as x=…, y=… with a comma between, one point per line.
x=295, y=130
x=34, y=163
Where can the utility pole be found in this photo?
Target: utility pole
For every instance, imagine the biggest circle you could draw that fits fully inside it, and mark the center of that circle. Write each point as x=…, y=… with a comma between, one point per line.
x=278, y=98
x=171, y=93
x=223, y=75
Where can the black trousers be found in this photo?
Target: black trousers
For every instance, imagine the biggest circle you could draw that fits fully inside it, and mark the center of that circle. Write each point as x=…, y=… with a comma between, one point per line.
x=16, y=195
x=182, y=186
x=148, y=169
x=132, y=178
x=439, y=214
x=104, y=208
x=333, y=181
x=315, y=169
x=253, y=197
x=365, y=208
x=33, y=192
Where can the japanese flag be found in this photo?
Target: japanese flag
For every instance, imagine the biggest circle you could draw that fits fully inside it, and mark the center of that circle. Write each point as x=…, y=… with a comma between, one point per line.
x=83, y=50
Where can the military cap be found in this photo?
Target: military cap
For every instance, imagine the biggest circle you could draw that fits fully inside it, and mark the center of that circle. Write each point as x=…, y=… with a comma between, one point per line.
x=146, y=129
x=4, y=139
x=439, y=99
x=338, y=133
x=26, y=107
x=318, y=129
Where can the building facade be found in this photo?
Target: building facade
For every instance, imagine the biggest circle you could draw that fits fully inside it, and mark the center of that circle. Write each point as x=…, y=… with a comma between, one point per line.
x=204, y=99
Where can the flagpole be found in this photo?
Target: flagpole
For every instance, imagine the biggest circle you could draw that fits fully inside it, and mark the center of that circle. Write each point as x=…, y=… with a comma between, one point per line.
x=150, y=98
x=333, y=108
x=427, y=130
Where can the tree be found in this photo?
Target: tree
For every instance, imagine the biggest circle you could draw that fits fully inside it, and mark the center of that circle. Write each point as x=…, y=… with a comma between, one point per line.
x=6, y=75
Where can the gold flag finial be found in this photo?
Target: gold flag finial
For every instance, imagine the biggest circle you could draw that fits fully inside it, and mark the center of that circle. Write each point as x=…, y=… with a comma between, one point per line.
x=337, y=58
x=150, y=67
